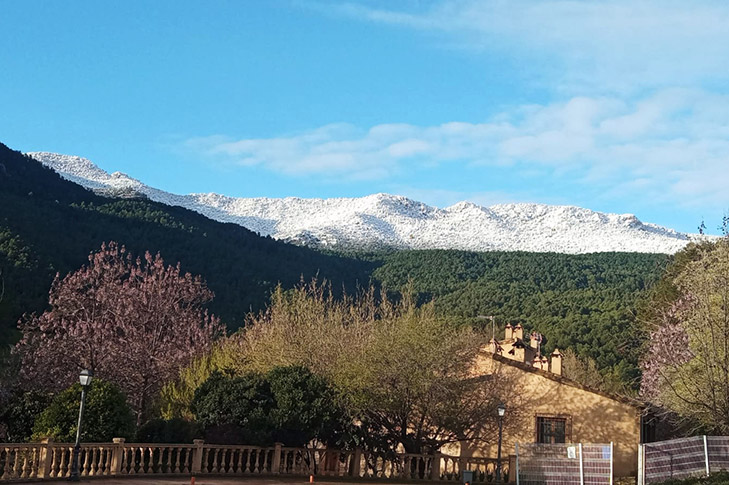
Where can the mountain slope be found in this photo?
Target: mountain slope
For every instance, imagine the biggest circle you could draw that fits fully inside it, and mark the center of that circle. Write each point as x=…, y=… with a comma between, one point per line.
x=49, y=225
x=388, y=221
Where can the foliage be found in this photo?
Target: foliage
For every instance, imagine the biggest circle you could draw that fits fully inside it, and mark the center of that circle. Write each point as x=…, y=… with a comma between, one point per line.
x=106, y=415
x=686, y=368
x=585, y=371
x=132, y=321
x=174, y=430
x=411, y=382
x=584, y=302
x=306, y=408
x=401, y=370
x=55, y=223
x=289, y=405
x=718, y=478
x=176, y=396
x=18, y=413
x=234, y=409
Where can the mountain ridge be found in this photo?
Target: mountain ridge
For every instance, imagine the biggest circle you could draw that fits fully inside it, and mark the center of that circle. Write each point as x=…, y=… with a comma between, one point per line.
x=383, y=221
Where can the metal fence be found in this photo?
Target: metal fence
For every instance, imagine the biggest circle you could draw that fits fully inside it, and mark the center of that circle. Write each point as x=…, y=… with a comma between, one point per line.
x=682, y=458
x=564, y=464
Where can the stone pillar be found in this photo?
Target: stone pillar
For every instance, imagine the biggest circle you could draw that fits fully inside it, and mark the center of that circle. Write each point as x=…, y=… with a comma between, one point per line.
x=197, y=456
x=435, y=466
x=46, y=458
x=117, y=454
x=512, y=468
x=355, y=469
x=276, y=464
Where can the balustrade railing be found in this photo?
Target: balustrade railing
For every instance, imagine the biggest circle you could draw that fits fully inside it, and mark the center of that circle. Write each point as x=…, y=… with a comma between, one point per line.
x=47, y=460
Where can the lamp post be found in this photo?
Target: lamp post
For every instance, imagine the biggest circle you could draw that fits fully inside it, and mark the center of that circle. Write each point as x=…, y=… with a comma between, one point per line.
x=502, y=410
x=85, y=379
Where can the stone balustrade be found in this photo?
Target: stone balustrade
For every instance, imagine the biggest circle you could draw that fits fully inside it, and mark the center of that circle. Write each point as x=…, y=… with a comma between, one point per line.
x=49, y=460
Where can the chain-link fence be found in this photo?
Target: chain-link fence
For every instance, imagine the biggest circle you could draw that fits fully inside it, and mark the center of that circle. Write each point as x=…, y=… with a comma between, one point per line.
x=682, y=458
x=564, y=464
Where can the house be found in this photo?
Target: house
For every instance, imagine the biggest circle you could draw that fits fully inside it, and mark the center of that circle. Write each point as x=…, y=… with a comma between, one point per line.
x=547, y=407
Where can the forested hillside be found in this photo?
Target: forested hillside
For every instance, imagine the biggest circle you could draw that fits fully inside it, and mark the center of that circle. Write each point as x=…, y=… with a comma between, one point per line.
x=49, y=225
x=583, y=302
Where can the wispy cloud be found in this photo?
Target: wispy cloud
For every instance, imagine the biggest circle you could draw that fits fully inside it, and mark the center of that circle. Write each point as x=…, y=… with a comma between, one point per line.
x=621, y=45
x=673, y=144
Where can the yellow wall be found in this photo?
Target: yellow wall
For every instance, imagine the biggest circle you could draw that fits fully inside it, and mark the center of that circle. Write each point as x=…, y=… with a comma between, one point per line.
x=595, y=418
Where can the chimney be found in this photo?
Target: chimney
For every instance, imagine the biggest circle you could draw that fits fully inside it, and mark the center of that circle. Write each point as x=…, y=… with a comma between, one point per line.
x=545, y=364
x=534, y=340
x=537, y=362
x=557, y=362
x=509, y=332
x=518, y=331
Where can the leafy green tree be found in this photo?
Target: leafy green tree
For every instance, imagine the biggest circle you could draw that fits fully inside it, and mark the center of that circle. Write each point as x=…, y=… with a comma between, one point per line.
x=289, y=404
x=107, y=415
x=306, y=408
x=18, y=413
x=176, y=396
x=235, y=409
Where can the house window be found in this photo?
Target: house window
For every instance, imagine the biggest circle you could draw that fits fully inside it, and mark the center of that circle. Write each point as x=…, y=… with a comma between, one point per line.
x=552, y=429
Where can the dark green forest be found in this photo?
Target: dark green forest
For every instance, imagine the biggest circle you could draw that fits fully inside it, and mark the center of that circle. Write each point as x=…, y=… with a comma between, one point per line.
x=584, y=302
x=49, y=225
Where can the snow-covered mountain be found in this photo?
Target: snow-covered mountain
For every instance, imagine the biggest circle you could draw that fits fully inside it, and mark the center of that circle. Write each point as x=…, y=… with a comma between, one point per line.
x=383, y=220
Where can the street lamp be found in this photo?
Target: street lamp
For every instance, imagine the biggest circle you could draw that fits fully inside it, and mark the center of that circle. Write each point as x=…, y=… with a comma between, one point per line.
x=85, y=379
x=502, y=410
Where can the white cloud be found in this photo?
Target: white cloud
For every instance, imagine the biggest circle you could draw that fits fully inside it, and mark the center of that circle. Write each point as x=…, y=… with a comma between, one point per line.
x=621, y=45
x=671, y=144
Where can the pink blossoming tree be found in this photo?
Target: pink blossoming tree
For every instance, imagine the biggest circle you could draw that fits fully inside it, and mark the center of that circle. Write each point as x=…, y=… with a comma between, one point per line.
x=133, y=321
x=686, y=367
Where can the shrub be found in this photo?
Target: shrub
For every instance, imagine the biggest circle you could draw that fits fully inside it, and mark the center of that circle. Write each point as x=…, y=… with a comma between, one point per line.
x=234, y=409
x=289, y=404
x=19, y=413
x=107, y=415
x=174, y=430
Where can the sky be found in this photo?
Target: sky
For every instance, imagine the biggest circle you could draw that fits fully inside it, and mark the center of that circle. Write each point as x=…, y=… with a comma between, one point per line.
x=617, y=106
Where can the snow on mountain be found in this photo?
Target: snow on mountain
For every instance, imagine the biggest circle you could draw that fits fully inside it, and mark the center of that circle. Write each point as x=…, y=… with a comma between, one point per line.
x=393, y=221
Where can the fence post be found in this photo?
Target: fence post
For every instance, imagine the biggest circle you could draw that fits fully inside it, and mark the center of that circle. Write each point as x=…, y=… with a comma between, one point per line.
x=276, y=463
x=706, y=455
x=612, y=461
x=197, y=454
x=582, y=469
x=116, y=456
x=517, y=462
x=435, y=466
x=46, y=458
x=356, y=463
x=641, y=464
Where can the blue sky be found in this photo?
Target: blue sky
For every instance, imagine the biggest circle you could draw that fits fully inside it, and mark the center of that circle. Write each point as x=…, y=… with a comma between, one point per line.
x=618, y=106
